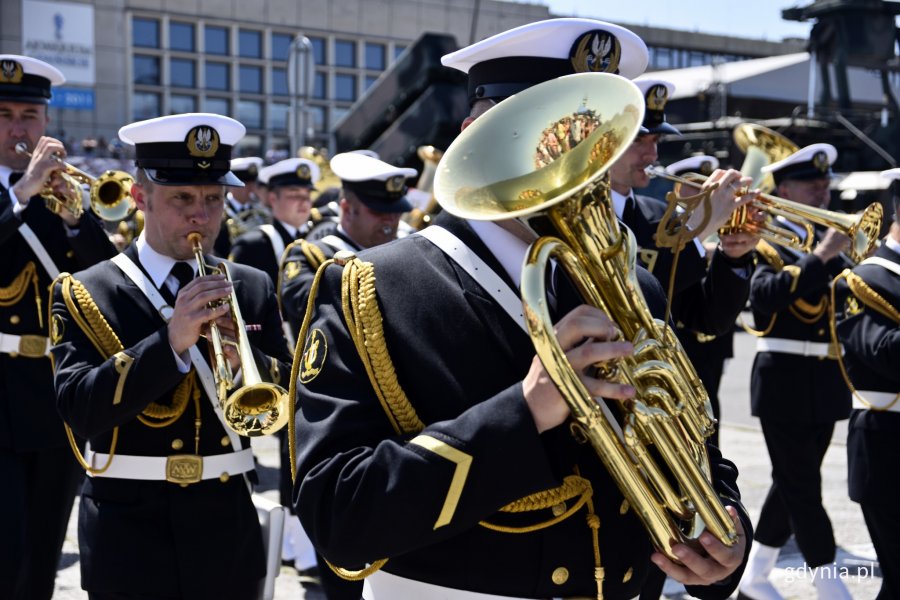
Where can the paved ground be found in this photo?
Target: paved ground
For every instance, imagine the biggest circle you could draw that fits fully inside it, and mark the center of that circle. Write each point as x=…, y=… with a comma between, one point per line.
x=741, y=441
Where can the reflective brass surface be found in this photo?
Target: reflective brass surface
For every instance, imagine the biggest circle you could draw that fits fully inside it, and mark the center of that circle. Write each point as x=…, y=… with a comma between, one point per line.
x=255, y=408
x=545, y=152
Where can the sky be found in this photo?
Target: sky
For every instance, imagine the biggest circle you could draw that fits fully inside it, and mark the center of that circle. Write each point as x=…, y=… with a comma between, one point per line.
x=755, y=19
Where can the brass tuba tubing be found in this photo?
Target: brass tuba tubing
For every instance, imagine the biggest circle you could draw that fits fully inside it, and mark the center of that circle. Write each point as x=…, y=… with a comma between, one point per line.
x=256, y=408
x=559, y=139
x=863, y=228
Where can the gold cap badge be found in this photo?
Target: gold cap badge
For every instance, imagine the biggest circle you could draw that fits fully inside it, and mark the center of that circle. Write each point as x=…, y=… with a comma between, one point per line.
x=657, y=96
x=596, y=51
x=395, y=184
x=202, y=141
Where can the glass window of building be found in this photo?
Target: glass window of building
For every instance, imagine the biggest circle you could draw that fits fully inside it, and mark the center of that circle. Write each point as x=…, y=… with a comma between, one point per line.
x=318, y=118
x=250, y=43
x=697, y=59
x=250, y=114
x=216, y=40
x=218, y=76
x=344, y=87
x=249, y=145
x=146, y=69
x=278, y=116
x=320, y=85
x=344, y=53
x=182, y=73
x=179, y=103
x=398, y=50
x=218, y=106
x=337, y=113
x=145, y=32
x=370, y=79
x=375, y=56
x=281, y=46
x=181, y=36
x=318, y=47
x=279, y=82
x=250, y=79
x=144, y=105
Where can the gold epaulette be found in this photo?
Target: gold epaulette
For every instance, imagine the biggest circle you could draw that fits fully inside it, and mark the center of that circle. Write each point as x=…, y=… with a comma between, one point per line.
x=871, y=298
x=770, y=254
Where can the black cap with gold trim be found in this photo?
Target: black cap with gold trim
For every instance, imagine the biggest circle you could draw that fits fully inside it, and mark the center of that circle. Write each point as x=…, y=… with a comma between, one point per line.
x=26, y=79
x=656, y=95
x=246, y=168
x=185, y=149
x=380, y=186
x=300, y=172
x=810, y=162
x=509, y=62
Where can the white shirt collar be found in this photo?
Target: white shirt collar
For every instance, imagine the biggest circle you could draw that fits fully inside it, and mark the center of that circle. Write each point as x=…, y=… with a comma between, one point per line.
x=618, y=201
x=892, y=244
x=157, y=265
x=507, y=248
x=5, y=172
x=292, y=231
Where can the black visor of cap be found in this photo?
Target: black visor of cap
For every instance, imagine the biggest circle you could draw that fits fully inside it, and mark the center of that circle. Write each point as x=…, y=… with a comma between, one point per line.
x=655, y=122
x=32, y=89
x=500, y=78
x=375, y=195
x=168, y=163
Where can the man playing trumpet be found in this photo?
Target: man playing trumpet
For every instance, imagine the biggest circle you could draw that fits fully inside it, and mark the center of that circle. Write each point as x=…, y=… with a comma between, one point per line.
x=133, y=377
x=40, y=474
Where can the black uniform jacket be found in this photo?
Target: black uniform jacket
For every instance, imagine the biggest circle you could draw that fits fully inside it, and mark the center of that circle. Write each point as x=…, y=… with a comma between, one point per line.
x=28, y=417
x=298, y=269
x=156, y=536
x=872, y=343
x=254, y=248
x=793, y=289
x=363, y=492
x=707, y=296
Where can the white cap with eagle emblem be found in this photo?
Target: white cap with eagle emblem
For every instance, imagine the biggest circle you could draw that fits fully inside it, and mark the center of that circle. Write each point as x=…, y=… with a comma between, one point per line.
x=656, y=95
x=810, y=162
x=511, y=61
x=379, y=185
x=300, y=172
x=185, y=149
x=26, y=79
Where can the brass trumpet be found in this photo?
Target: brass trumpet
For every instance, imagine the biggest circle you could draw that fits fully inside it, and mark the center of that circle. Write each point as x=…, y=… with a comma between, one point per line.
x=560, y=137
x=863, y=228
x=110, y=193
x=421, y=217
x=256, y=408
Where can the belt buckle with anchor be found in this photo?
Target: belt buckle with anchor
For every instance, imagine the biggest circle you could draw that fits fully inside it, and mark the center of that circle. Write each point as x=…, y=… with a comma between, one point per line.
x=184, y=469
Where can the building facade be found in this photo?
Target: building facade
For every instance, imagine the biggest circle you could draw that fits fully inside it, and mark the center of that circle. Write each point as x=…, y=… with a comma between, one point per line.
x=158, y=57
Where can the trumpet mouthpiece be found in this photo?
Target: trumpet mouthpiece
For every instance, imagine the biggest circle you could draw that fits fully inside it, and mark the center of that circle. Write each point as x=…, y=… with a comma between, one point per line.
x=195, y=237
x=22, y=148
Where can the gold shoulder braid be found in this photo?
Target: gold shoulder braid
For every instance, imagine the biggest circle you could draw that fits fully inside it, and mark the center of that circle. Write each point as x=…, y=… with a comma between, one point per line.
x=313, y=254
x=90, y=320
x=364, y=321
x=15, y=291
x=872, y=299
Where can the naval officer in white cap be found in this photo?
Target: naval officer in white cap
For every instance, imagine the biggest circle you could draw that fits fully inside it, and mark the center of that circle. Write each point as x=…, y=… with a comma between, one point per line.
x=244, y=209
x=796, y=387
x=168, y=481
x=434, y=456
x=40, y=475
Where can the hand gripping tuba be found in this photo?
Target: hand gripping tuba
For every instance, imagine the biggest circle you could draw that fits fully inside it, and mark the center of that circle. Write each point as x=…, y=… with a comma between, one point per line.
x=544, y=153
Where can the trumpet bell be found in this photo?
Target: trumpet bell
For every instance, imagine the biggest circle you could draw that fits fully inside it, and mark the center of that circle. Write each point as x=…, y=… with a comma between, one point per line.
x=256, y=410
x=557, y=140
x=111, y=196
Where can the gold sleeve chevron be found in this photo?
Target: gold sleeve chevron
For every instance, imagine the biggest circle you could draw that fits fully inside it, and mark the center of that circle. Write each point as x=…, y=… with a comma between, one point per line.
x=462, y=461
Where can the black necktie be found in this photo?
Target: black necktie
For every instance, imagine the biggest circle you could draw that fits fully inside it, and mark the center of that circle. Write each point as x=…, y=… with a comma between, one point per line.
x=628, y=213
x=183, y=272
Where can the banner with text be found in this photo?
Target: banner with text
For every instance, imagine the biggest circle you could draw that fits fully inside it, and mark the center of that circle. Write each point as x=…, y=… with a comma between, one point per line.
x=62, y=34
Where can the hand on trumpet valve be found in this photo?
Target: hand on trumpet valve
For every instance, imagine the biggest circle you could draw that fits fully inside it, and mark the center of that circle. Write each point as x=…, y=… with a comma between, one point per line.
x=229, y=336
x=588, y=337
x=730, y=191
x=197, y=303
x=45, y=162
x=832, y=244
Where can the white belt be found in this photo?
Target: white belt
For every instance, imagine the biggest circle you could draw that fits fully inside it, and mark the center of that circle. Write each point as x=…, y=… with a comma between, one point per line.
x=181, y=468
x=799, y=347
x=29, y=346
x=385, y=586
x=877, y=401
